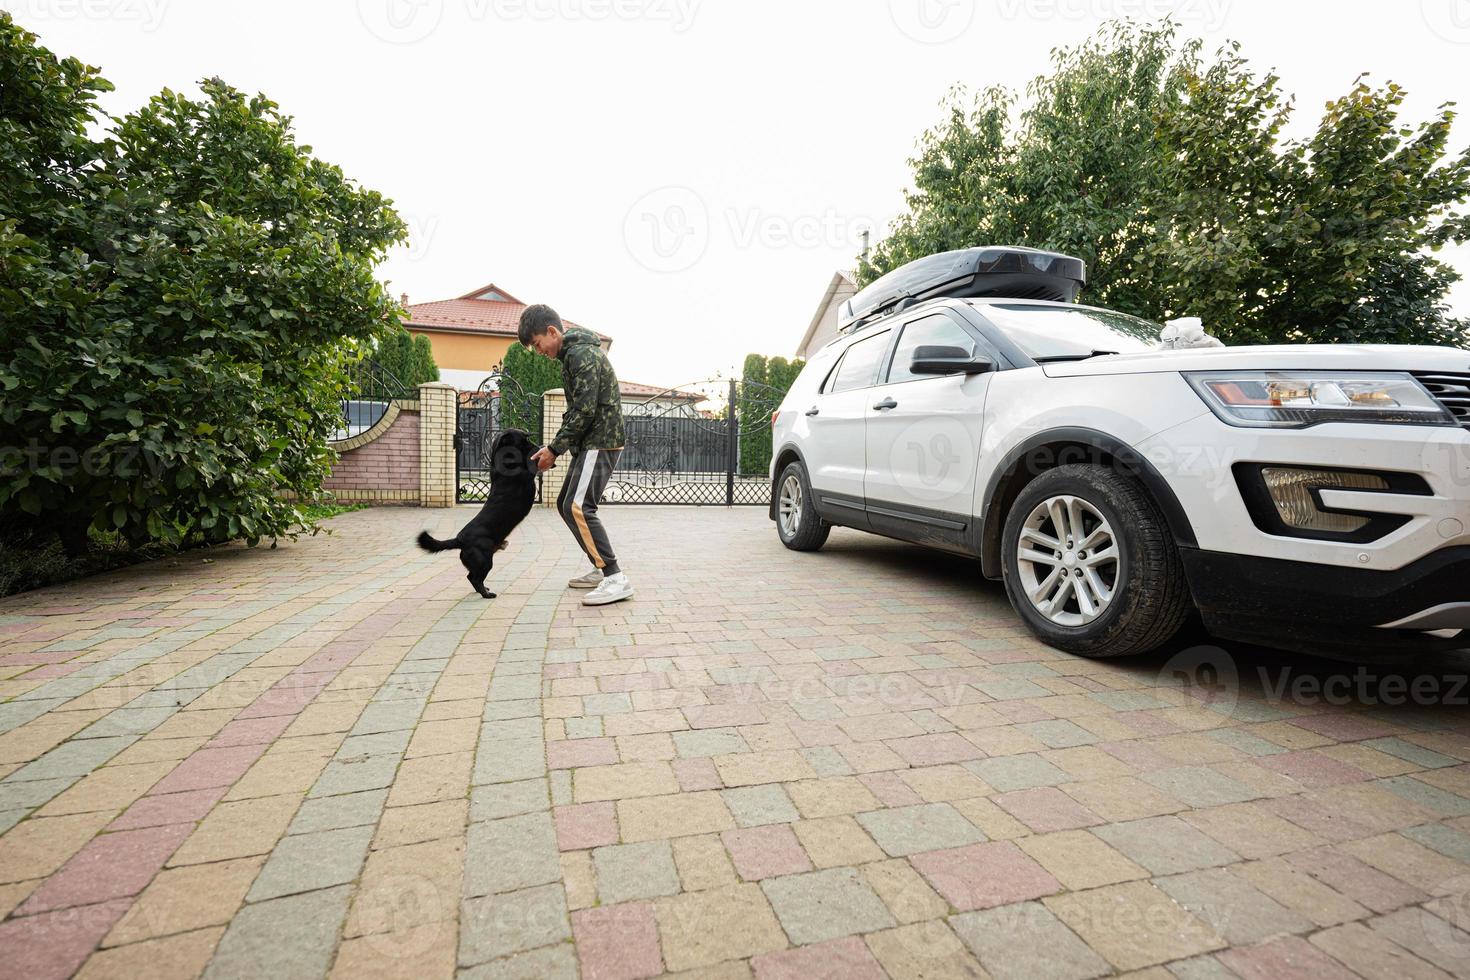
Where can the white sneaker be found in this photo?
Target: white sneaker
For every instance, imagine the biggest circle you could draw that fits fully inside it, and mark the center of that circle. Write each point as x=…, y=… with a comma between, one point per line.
x=614, y=588
x=589, y=581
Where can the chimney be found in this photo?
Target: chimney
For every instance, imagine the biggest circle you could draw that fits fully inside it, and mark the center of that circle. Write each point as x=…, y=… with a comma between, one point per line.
x=403, y=300
x=867, y=236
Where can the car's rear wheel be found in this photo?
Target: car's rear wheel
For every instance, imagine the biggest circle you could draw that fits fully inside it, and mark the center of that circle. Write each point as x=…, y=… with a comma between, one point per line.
x=797, y=522
x=1090, y=564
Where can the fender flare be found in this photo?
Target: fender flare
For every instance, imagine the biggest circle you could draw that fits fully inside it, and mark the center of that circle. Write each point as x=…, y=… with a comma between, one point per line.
x=775, y=455
x=1087, y=445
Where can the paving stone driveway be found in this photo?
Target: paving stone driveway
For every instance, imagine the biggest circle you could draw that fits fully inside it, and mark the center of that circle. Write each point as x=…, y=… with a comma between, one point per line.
x=333, y=759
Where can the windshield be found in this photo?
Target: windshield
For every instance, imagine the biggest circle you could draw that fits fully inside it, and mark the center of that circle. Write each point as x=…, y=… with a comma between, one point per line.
x=1056, y=331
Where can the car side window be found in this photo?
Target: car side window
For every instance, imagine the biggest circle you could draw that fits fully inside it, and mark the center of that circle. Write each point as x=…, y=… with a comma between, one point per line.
x=859, y=365
x=937, y=330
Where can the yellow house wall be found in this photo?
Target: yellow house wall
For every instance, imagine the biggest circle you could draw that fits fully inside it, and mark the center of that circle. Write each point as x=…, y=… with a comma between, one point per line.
x=467, y=352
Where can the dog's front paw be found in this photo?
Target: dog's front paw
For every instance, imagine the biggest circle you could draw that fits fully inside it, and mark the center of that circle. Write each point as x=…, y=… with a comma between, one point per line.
x=488, y=595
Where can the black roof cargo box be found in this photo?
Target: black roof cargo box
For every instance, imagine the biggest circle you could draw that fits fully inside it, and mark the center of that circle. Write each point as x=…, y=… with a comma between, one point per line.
x=1009, y=271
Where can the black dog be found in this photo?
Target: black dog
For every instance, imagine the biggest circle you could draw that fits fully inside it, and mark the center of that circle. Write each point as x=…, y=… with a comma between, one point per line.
x=512, y=492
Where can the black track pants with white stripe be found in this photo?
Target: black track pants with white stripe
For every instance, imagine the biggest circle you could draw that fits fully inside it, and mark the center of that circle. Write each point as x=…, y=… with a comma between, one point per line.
x=586, y=479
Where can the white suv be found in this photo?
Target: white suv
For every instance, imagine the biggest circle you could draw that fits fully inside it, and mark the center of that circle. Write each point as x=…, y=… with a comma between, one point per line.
x=1309, y=497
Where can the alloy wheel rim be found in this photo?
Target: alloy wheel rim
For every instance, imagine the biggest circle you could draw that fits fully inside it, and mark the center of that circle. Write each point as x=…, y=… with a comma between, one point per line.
x=1069, y=561
x=790, y=505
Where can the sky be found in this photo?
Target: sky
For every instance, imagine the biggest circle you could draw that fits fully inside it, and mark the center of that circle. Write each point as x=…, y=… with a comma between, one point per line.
x=683, y=175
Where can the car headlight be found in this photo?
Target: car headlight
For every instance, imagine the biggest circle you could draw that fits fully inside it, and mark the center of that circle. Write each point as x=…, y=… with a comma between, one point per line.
x=1297, y=399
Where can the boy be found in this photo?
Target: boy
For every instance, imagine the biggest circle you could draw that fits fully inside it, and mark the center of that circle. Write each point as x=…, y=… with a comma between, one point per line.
x=593, y=433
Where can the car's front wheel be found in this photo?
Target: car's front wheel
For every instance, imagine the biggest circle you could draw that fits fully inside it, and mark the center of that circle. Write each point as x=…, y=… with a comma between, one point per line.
x=1090, y=564
x=796, y=517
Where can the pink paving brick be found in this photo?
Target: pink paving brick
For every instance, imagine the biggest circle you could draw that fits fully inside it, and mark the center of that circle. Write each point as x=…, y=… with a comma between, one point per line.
x=617, y=942
x=1047, y=809
x=38, y=657
x=1345, y=727
x=109, y=866
x=250, y=731
x=1288, y=958
x=1312, y=768
x=765, y=852
x=935, y=750
x=836, y=959
x=890, y=790
x=52, y=945
x=169, y=808
x=724, y=715
x=585, y=825
x=208, y=768
x=571, y=753
x=696, y=774
x=289, y=695
x=981, y=876
x=51, y=671
x=1366, y=885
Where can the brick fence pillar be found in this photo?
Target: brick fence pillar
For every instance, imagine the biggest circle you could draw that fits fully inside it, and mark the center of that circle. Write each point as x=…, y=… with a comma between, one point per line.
x=438, y=416
x=553, y=410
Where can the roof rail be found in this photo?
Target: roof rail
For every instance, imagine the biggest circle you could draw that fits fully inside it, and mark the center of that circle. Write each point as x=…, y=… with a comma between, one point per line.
x=1010, y=271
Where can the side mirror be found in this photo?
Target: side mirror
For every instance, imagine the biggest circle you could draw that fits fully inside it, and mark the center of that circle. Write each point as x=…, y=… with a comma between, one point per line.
x=948, y=360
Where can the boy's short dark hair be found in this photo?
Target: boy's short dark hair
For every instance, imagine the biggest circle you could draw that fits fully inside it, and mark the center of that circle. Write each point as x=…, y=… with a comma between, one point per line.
x=535, y=320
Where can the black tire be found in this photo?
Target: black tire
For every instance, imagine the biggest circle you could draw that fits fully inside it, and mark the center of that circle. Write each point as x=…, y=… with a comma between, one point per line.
x=1149, y=597
x=810, y=531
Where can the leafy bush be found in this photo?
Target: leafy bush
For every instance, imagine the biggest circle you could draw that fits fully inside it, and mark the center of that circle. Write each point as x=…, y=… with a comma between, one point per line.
x=179, y=298
x=1170, y=177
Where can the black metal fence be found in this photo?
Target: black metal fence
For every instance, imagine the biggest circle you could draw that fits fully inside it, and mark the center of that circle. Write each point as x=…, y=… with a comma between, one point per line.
x=685, y=446
x=370, y=389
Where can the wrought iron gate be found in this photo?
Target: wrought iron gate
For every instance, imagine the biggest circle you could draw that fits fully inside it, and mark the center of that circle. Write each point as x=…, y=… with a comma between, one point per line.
x=704, y=443
x=500, y=403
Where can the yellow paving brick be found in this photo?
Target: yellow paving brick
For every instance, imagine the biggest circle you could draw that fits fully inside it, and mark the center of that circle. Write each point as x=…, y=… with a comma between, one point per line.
x=924, y=951
x=188, y=898
x=677, y=815
x=431, y=779
x=708, y=927
x=36, y=847
x=239, y=829
x=703, y=862
x=905, y=892
x=622, y=781
x=831, y=797
x=751, y=768
x=1079, y=860
x=402, y=825
x=835, y=841
x=181, y=957
x=111, y=788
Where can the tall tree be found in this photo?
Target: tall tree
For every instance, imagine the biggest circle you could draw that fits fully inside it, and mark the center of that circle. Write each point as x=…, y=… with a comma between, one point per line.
x=179, y=298
x=1170, y=176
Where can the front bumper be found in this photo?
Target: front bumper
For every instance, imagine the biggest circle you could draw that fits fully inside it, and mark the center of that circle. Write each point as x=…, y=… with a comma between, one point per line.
x=1336, y=611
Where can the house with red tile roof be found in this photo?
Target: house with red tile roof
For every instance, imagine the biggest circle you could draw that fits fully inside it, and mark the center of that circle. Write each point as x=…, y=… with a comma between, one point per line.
x=471, y=333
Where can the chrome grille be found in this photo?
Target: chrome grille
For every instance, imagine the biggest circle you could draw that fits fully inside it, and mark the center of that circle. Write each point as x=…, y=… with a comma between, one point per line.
x=1452, y=391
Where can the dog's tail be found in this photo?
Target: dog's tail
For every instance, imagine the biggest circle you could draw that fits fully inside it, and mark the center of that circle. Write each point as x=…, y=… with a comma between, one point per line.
x=430, y=543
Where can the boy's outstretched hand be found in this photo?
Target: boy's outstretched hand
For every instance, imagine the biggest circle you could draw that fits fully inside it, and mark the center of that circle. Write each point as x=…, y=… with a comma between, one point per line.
x=544, y=459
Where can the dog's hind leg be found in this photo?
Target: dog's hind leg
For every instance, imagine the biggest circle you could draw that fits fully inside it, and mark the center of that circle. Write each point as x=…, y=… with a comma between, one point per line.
x=479, y=563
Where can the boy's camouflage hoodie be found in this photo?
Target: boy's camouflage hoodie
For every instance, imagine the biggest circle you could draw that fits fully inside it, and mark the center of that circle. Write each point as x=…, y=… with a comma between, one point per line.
x=594, y=418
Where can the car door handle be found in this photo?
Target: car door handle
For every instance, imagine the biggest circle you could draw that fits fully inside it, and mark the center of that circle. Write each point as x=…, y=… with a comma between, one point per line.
x=814, y=410
x=886, y=403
